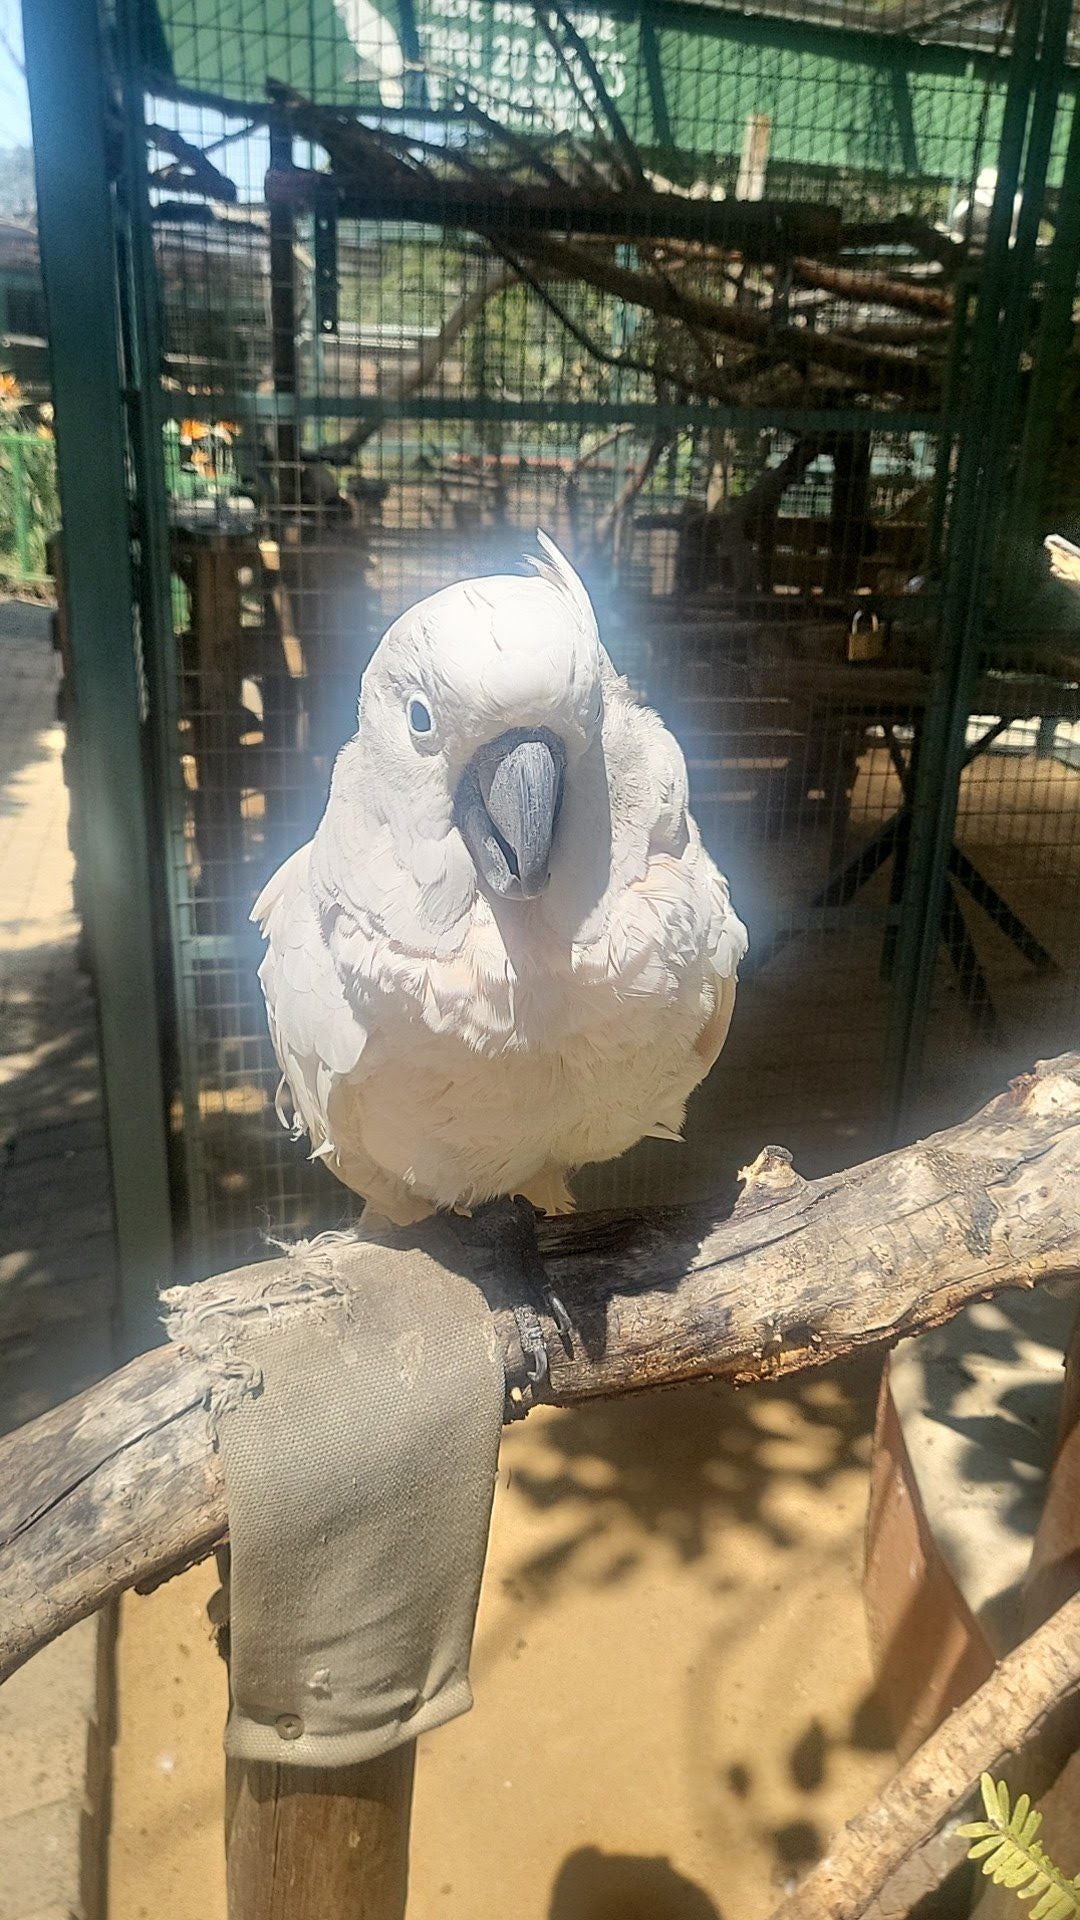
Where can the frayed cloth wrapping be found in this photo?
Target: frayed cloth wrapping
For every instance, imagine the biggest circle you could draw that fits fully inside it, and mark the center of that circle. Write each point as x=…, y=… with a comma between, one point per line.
x=358, y=1405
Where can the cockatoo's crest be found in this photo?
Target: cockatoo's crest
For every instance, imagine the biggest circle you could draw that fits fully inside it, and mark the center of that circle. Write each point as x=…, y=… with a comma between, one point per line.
x=553, y=567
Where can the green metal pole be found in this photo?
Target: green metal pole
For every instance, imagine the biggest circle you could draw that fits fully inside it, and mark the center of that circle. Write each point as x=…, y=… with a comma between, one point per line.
x=1020, y=261
x=1034, y=89
x=67, y=85
x=654, y=77
x=18, y=500
x=146, y=414
x=1051, y=353
x=958, y=334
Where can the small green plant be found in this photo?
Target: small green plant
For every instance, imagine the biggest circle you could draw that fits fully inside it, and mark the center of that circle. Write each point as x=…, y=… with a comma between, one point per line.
x=1011, y=1856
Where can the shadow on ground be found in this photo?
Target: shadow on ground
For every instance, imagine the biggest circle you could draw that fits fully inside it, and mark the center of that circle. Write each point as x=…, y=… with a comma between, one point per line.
x=603, y=1886
x=57, y=1269
x=722, y=1530
x=673, y=1468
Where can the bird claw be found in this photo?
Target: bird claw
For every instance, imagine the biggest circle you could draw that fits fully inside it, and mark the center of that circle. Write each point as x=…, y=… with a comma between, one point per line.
x=508, y=1229
x=564, y=1326
x=533, y=1344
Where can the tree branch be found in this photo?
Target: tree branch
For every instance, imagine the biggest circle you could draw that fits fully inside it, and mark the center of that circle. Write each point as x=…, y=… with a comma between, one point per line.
x=872, y=289
x=896, y=1851
x=194, y=172
x=877, y=369
x=527, y=219
x=121, y=1486
x=608, y=524
x=620, y=135
x=799, y=1274
x=904, y=230
x=371, y=188
x=738, y=529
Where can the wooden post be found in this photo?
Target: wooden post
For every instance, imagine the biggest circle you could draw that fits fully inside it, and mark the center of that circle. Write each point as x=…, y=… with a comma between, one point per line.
x=283, y=325
x=210, y=566
x=849, y=519
x=306, y=1843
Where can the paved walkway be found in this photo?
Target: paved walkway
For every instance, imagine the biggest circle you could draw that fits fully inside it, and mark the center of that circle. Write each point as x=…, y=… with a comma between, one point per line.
x=56, y=1268
x=57, y=1281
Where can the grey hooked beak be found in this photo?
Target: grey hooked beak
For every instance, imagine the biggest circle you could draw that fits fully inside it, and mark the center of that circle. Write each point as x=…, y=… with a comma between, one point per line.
x=506, y=809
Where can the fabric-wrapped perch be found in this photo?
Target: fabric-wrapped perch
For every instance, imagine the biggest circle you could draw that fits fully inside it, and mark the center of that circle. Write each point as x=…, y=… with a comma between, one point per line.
x=358, y=1419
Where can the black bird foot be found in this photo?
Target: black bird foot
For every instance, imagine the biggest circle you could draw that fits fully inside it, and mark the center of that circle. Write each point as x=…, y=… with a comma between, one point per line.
x=506, y=1230
x=533, y=1344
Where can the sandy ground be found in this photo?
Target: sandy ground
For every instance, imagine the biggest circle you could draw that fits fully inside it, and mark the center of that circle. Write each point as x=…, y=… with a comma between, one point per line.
x=671, y=1674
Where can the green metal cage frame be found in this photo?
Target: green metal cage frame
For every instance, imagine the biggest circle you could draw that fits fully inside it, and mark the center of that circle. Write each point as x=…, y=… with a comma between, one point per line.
x=100, y=281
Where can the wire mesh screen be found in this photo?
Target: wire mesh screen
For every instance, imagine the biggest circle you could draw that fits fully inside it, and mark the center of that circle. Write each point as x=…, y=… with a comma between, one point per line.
x=689, y=291
x=1007, y=987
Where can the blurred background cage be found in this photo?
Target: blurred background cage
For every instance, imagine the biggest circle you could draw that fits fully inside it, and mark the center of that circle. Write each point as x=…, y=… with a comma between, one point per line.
x=769, y=321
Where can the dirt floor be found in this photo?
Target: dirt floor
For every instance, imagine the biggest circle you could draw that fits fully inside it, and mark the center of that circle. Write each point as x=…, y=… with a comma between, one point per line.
x=671, y=1674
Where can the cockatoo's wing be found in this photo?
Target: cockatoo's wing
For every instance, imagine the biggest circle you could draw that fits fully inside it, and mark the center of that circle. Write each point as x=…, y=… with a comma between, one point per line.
x=317, y=1036
x=727, y=943
x=672, y=918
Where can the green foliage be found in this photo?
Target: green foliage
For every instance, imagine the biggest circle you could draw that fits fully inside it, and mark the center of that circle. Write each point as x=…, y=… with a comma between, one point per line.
x=415, y=283
x=1011, y=1856
x=28, y=493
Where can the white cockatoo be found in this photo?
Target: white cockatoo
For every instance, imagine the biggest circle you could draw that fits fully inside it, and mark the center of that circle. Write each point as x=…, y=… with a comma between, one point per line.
x=377, y=47
x=971, y=216
x=505, y=952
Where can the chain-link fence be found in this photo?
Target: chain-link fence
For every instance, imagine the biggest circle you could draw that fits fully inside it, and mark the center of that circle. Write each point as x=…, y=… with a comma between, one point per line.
x=703, y=295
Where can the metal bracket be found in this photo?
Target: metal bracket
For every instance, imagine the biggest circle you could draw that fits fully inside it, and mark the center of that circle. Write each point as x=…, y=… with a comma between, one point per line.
x=326, y=264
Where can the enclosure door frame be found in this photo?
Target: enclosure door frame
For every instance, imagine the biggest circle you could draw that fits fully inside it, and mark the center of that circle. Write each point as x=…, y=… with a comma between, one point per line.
x=67, y=81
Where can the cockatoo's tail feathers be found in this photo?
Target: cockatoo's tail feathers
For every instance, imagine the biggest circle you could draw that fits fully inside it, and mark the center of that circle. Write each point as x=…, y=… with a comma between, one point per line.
x=555, y=568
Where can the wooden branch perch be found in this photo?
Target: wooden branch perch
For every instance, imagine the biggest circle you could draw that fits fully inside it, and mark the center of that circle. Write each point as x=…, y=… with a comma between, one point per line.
x=897, y=1849
x=904, y=230
x=373, y=184
x=376, y=173
x=872, y=289
x=193, y=172
x=877, y=369
x=523, y=219
x=121, y=1486
x=734, y=530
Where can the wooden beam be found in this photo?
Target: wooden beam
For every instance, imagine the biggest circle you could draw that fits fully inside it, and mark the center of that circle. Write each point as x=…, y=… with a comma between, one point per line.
x=121, y=1486
x=328, y=1842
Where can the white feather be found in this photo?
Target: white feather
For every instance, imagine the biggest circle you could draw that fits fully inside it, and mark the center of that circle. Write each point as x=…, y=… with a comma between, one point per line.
x=442, y=1047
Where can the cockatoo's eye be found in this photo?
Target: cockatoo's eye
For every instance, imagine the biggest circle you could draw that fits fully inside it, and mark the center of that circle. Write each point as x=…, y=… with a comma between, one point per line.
x=420, y=720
